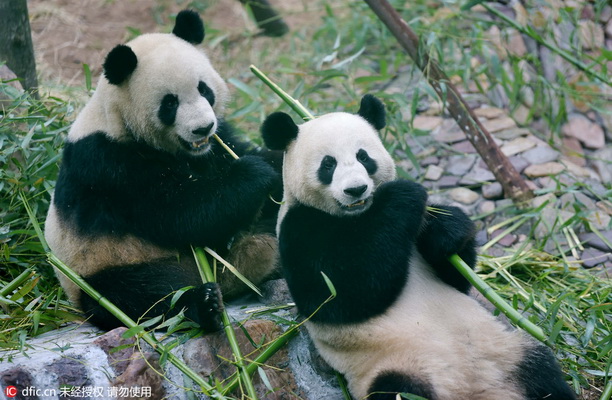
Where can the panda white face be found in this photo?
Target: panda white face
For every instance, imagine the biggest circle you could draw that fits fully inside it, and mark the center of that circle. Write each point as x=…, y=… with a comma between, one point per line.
x=335, y=164
x=172, y=97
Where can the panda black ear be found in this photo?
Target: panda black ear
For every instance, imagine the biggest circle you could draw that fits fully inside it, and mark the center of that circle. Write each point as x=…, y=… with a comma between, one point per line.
x=119, y=64
x=189, y=27
x=278, y=130
x=373, y=111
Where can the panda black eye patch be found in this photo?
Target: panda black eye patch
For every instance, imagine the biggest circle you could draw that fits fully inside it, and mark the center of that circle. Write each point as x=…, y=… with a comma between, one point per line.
x=167, y=109
x=326, y=169
x=369, y=163
x=206, y=92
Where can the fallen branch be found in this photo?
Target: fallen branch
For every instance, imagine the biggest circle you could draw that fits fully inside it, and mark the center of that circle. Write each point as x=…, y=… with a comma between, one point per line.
x=513, y=184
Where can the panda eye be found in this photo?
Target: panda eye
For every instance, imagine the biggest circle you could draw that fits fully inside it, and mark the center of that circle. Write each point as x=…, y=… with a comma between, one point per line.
x=206, y=92
x=328, y=163
x=363, y=156
x=167, y=109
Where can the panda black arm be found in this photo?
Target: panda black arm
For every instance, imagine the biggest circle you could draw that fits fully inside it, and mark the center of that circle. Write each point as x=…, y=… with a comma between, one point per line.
x=446, y=232
x=108, y=187
x=365, y=257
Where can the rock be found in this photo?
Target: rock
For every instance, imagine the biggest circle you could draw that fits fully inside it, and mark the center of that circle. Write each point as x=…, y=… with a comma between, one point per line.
x=431, y=160
x=509, y=134
x=139, y=375
x=522, y=115
x=110, y=342
x=546, y=169
x=460, y=164
x=609, y=28
x=464, y=147
x=448, y=132
x=605, y=206
x=572, y=150
x=599, y=220
x=498, y=124
x=448, y=181
x=433, y=173
x=593, y=257
x=540, y=155
x=481, y=237
x=589, y=133
x=593, y=240
x=583, y=202
x=426, y=123
x=486, y=207
x=550, y=198
x=550, y=221
x=463, y=195
x=517, y=145
x=488, y=112
x=21, y=379
x=577, y=171
x=492, y=191
x=476, y=176
x=519, y=163
x=602, y=163
x=591, y=34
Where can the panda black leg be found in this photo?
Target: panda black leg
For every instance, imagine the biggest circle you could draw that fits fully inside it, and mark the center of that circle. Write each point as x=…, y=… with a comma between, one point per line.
x=540, y=376
x=145, y=290
x=388, y=384
x=446, y=232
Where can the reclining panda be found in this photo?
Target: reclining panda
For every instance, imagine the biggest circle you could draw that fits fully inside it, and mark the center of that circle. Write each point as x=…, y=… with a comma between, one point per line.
x=401, y=321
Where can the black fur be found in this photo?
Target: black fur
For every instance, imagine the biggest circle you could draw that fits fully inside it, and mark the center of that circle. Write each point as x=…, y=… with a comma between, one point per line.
x=445, y=232
x=369, y=163
x=365, y=256
x=388, y=384
x=167, y=109
x=541, y=376
x=189, y=27
x=119, y=188
x=206, y=92
x=373, y=111
x=202, y=303
x=325, y=173
x=278, y=130
x=119, y=64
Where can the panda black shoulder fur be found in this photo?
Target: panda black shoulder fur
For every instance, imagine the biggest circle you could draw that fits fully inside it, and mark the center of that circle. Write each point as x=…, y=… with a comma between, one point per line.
x=142, y=180
x=401, y=321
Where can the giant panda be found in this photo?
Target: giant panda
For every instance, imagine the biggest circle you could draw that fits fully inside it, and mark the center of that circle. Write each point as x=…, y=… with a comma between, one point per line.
x=401, y=320
x=141, y=181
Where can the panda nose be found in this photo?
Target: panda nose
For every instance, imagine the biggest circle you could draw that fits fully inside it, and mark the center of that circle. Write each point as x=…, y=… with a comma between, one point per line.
x=356, y=191
x=203, y=131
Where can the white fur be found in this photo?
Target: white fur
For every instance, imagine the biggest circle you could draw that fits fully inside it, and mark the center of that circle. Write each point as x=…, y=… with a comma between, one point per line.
x=433, y=332
x=339, y=135
x=166, y=65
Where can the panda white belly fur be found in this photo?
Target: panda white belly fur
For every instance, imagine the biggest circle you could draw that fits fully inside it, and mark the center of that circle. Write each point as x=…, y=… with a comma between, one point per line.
x=431, y=328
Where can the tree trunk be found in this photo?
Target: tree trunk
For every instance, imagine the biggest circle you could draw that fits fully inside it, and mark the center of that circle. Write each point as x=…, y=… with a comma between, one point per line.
x=16, y=44
x=513, y=184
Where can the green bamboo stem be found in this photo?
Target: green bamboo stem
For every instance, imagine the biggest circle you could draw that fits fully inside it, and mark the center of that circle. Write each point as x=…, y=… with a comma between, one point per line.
x=15, y=283
x=261, y=359
x=607, y=393
x=290, y=101
x=497, y=301
x=208, y=276
x=532, y=34
x=130, y=323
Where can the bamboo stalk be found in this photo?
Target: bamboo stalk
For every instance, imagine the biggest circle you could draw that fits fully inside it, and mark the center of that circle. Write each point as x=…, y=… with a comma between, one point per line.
x=15, y=283
x=497, y=301
x=208, y=276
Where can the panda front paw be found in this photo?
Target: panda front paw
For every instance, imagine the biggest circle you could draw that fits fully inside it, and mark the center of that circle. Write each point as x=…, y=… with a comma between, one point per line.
x=207, y=302
x=401, y=193
x=255, y=171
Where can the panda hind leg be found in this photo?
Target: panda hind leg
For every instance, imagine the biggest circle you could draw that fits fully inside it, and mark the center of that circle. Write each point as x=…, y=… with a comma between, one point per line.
x=254, y=255
x=146, y=290
x=388, y=384
x=540, y=376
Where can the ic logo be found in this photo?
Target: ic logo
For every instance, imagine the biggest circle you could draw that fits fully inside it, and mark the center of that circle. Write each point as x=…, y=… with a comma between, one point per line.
x=10, y=391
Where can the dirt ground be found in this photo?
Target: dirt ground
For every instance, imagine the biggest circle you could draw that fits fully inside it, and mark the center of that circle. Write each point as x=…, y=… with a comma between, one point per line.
x=69, y=33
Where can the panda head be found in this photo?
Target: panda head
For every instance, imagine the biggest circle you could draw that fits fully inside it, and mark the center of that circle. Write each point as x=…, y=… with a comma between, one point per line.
x=335, y=162
x=164, y=90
